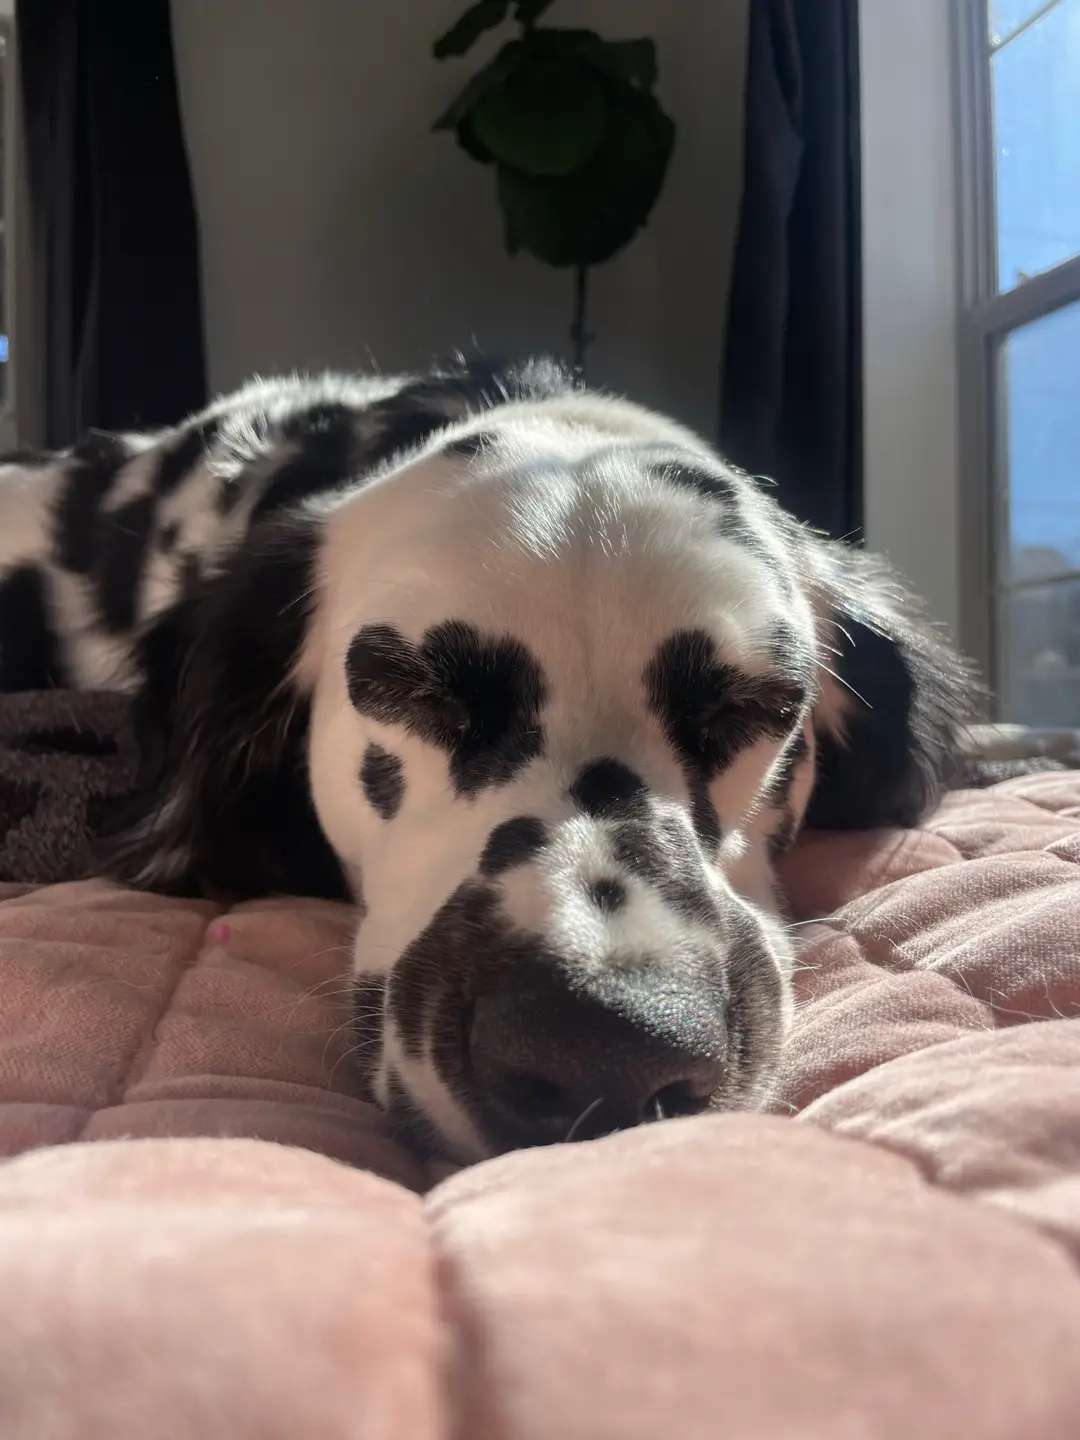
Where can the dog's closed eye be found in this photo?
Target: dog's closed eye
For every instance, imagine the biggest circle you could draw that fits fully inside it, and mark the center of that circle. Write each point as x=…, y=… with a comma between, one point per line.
x=392, y=680
x=476, y=696
x=711, y=710
x=754, y=705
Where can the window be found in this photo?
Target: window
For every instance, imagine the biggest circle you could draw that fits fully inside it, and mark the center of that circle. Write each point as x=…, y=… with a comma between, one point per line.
x=1020, y=124
x=7, y=194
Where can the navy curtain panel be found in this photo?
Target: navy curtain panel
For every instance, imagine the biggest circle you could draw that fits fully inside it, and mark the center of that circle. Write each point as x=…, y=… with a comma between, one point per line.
x=112, y=224
x=791, y=390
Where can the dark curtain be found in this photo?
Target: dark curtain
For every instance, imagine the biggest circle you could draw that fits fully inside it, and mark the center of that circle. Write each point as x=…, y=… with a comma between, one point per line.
x=791, y=394
x=113, y=235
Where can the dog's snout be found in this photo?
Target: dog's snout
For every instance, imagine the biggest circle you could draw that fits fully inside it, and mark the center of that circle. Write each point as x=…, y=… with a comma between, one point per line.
x=553, y=1060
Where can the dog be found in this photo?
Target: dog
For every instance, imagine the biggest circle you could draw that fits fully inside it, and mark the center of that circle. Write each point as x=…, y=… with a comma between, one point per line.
x=530, y=674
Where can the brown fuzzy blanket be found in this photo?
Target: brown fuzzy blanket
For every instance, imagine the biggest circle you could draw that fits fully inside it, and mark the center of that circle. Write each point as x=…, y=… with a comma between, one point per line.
x=68, y=762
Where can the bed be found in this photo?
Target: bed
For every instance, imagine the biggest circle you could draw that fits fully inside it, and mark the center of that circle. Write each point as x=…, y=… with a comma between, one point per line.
x=203, y=1231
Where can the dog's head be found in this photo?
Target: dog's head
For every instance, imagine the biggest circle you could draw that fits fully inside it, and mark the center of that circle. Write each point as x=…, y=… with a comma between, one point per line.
x=565, y=679
x=559, y=683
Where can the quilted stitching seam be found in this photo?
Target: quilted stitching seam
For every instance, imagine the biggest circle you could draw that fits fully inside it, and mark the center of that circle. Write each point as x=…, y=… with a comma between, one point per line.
x=148, y=1038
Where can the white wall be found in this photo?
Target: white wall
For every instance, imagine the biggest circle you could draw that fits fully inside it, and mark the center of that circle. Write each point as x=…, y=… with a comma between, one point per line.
x=911, y=294
x=336, y=227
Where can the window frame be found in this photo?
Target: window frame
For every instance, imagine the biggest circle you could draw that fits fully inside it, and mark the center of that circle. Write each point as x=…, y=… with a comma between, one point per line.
x=988, y=317
x=8, y=219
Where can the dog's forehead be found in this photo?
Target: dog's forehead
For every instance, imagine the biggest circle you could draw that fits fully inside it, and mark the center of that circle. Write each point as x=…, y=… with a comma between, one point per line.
x=591, y=563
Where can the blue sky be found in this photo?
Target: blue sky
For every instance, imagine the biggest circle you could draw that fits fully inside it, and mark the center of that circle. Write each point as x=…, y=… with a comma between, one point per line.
x=1037, y=119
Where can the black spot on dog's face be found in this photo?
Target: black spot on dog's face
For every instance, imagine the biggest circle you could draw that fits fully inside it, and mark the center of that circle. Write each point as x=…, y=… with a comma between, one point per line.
x=711, y=711
x=514, y=842
x=407, y=1121
x=665, y=857
x=382, y=776
x=606, y=789
x=477, y=697
x=608, y=895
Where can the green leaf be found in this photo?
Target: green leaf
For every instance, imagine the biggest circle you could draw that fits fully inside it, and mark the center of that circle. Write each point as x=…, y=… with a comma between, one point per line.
x=587, y=217
x=463, y=35
x=552, y=44
x=529, y=11
x=633, y=61
x=546, y=118
x=474, y=148
x=505, y=62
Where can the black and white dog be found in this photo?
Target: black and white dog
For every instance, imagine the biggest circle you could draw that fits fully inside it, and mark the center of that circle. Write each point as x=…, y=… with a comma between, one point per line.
x=531, y=673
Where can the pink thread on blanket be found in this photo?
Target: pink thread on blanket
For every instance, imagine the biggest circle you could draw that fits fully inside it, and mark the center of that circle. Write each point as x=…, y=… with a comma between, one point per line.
x=221, y=934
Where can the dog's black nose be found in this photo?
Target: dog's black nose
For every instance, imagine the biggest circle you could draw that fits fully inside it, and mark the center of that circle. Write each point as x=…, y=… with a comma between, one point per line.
x=557, y=1060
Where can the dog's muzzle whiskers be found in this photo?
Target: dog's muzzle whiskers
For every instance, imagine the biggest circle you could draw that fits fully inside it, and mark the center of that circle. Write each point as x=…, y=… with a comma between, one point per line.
x=581, y=1119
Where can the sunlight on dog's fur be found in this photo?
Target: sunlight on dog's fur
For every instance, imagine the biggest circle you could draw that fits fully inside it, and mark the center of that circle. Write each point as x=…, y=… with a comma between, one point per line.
x=532, y=674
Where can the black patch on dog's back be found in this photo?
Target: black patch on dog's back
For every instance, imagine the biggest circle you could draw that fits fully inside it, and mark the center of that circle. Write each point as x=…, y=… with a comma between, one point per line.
x=324, y=457
x=512, y=843
x=224, y=806
x=124, y=538
x=180, y=455
x=477, y=697
x=94, y=464
x=30, y=653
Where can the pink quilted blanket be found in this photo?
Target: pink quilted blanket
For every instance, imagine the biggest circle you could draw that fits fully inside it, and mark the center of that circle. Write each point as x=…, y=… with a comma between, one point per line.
x=893, y=1254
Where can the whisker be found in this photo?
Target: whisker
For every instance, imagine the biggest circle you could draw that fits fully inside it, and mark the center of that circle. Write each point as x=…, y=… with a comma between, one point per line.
x=589, y=1110
x=841, y=681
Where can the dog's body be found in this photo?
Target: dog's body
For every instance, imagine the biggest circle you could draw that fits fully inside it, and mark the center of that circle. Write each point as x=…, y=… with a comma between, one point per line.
x=531, y=673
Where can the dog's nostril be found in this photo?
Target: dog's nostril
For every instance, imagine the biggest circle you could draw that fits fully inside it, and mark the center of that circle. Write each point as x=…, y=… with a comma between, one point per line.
x=675, y=1100
x=550, y=1061
x=532, y=1099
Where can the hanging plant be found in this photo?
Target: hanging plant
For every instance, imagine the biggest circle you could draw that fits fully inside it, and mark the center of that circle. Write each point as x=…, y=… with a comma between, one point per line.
x=577, y=140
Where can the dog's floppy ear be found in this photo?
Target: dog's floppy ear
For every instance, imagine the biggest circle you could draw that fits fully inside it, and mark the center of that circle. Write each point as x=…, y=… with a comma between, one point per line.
x=222, y=806
x=894, y=694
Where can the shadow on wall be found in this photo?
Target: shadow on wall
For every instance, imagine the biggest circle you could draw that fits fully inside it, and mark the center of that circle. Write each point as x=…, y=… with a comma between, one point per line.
x=337, y=230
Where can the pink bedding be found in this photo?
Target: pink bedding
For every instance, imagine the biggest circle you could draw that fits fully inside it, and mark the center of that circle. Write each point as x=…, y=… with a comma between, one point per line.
x=894, y=1253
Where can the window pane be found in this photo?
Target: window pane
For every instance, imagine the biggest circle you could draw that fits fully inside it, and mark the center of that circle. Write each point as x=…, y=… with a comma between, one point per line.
x=1006, y=15
x=1041, y=671
x=1037, y=144
x=1041, y=403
